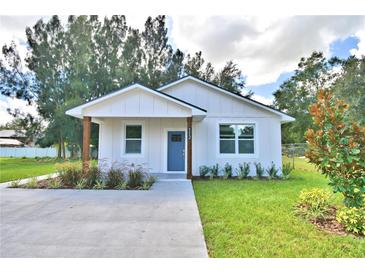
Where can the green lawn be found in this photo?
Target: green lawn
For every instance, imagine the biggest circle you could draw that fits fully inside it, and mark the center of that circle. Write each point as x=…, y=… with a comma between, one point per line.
x=18, y=168
x=256, y=219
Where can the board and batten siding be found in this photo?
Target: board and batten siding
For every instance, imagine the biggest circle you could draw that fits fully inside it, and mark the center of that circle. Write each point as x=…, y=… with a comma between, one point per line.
x=217, y=103
x=223, y=108
x=136, y=103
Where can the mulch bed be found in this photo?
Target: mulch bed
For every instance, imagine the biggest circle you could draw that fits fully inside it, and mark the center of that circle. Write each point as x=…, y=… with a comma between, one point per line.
x=330, y=224
x=43, y=184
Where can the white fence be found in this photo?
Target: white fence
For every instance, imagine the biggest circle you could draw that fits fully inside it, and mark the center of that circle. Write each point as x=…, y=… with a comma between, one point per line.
x=30, y=152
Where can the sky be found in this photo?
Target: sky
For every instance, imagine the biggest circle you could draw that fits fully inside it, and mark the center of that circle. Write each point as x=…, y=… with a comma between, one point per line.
x=266, y=49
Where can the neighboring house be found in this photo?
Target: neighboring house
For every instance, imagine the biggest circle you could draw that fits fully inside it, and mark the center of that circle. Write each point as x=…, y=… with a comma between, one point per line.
x=182, y=126
x=11, y=138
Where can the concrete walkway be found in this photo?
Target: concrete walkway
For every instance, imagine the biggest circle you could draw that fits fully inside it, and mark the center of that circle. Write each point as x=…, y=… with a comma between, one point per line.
x=161, y=222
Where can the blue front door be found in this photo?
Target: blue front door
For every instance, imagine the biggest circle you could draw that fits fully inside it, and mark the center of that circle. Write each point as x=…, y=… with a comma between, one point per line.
x=176, y=151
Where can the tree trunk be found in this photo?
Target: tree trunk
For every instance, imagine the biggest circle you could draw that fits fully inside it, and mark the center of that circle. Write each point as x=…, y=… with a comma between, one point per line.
x=63, y=148
x=59, y=149
x=73, y=151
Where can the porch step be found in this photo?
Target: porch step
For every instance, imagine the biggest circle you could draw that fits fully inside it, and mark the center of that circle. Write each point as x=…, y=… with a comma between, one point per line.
x=173, y=180
x=169, y=176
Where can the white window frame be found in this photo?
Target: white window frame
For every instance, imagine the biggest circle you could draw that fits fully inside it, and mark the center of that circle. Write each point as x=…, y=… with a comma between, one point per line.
x=236, y=140
x=124, y=138
x=225, y=139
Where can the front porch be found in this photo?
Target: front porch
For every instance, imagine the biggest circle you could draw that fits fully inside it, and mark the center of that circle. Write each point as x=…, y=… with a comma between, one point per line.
x=140, y=125
x=163, y=146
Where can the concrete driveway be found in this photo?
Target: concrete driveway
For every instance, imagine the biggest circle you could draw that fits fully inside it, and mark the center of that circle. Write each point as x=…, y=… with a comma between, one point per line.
x=161, y=222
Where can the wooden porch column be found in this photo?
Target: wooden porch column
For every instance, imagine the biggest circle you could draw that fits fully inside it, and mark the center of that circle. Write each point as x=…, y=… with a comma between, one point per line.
x=189, y=174
x=86, y=125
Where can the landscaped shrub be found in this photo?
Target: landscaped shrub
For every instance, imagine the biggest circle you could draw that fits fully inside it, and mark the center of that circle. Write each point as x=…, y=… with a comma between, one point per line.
x=213, y=172
x=148, y=182
x=121, y=185
x=114, y=177
x=93, y=175
x=314, y=203
x=272, y=171
x=353, y=219
x=336, y=147
x=82, y=184
x=54, y=183
x=136, y=176
x=259, y=170
x=227, y=171
x=151, y=179
x=99, y=185
x=70, y=174
x=203, y=171
x=243, y=170
x=32, y=184
x=286, y=170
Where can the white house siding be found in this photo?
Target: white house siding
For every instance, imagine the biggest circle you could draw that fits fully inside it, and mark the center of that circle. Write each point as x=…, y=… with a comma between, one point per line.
x=206, y=143
x=111, y=143
x=222, y=108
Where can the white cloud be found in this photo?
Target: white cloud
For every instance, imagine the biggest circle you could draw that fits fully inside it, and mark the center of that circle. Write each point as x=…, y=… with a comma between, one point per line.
x=13, y=103
x=360, y=50
x=137, y=21
x=12, y=28
x=263, y=47
x=262, y=99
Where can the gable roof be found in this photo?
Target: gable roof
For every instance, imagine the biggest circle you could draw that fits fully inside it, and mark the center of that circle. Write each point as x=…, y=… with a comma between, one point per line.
x=10, y=133
x=77, y=111
x=285, y=117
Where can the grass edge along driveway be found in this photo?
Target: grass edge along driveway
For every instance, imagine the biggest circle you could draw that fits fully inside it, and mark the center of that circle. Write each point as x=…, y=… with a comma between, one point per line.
x=255, y=219
x=20, y=168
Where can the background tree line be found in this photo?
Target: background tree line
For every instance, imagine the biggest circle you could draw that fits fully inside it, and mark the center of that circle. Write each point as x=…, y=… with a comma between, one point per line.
x=344, y=77
x=87, y=57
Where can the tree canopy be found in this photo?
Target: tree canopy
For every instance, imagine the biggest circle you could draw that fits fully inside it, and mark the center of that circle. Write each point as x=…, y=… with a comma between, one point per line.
x=86, y=57
x=345, y=77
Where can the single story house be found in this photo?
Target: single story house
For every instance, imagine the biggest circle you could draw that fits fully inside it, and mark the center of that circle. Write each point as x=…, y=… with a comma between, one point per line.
x=181, y=126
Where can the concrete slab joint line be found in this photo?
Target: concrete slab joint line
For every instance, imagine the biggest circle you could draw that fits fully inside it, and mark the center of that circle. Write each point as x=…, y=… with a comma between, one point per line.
x=161, y=222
